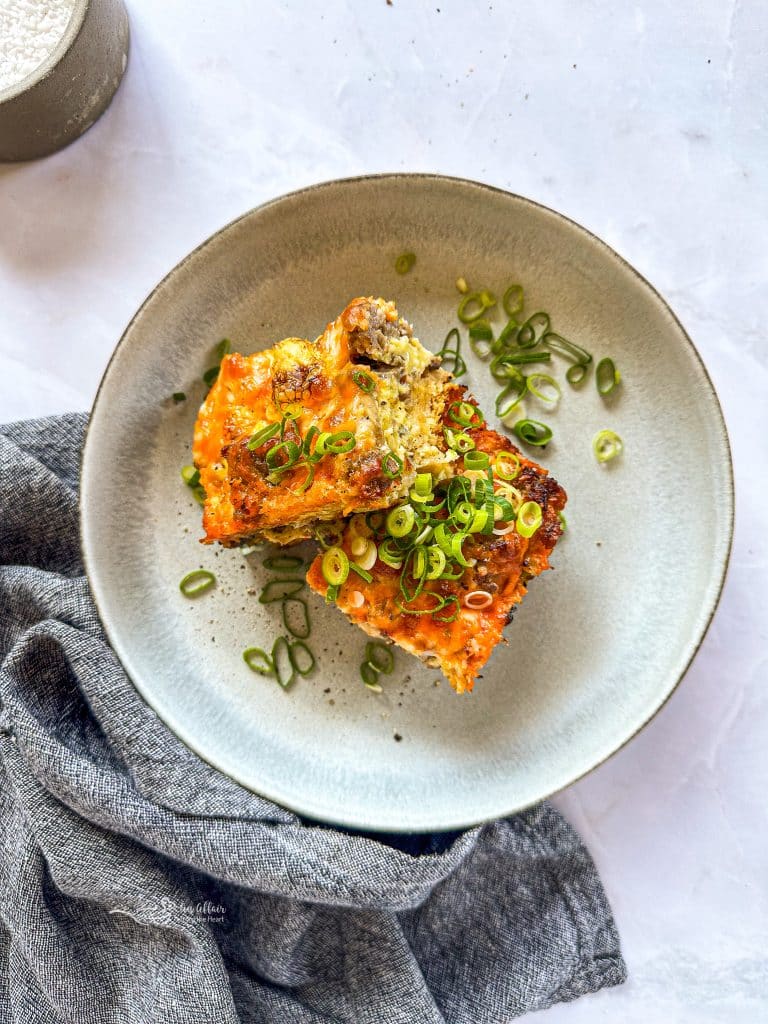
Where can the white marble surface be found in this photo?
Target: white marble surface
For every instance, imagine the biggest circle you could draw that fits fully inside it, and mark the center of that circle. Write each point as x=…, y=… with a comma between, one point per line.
x=647, y=123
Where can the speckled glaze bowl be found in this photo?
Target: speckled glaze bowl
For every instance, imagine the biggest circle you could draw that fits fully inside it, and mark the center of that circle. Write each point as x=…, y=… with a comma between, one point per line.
x=597, y=646
x=71, y=89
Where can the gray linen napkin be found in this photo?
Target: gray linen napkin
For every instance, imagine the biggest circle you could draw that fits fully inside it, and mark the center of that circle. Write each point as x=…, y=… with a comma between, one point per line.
x=137, y=884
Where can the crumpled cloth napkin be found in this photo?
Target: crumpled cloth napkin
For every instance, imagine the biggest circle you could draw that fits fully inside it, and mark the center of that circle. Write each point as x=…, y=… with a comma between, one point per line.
x=138, y=884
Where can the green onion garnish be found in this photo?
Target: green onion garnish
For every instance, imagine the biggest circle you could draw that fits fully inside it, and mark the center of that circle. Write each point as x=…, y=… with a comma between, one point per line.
x=533, y=432
x=297, y=625
x=361, y=572
x=476, y=460
x=506, y=465
x=301, y=657
x=465, y=414
x=400, y=520
x=474, y=304
x=380, y=656
x=219, y=352
x=280, y=589
x=538, y=382
x=606, y=376
x=579, y=356
x=335, y=444
x=450, y=353
x=178, y=396
x=370, y=676
x=285, y=670
x=607, y=445
x=283, y=563
x=528, y=518
x=458, y=441
x=391, y=466
x=512, y=301
x=533, y=330
x=405, y=262
x=262, y=436
x=335, y=566
x=511, y=396
x=563, y=521
x=259, y=661
x=364, y=381
x=190, y=476
x=196, y=582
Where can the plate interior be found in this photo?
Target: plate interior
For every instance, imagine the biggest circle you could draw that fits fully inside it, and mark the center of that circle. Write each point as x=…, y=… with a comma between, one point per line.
x=597, y=645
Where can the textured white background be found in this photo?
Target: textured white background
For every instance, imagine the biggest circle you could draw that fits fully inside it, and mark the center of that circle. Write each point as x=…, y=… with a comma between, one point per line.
x=647, y=123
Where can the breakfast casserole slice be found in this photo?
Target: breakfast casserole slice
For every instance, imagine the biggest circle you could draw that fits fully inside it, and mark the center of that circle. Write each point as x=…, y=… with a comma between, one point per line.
x=440, y=572
x=307, y=431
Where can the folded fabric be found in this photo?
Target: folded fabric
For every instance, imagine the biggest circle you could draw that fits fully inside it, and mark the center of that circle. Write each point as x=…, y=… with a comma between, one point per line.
x=138, y=884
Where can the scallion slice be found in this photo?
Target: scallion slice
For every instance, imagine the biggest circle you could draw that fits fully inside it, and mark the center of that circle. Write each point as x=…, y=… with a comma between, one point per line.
x=297, y=624
x=606, y=376
x=607, y=445
x=533, y=432
x=405, y=262
x=475, y=460
x=335, y=566
x=512, y=300
x=258, y=661
x=301, y=657
x=280, y=589
x=197, y=582
x=474, y=304
x=364, y=381
x=529, y=518
x=283, y=563
x=510, y=397
x=391, y=466
x=544, y=387
x=262, y=436
x=533, y=330
x=285, y=671
x=506, y=465
x=400, y=520
x=178, y=396
x=380, y=656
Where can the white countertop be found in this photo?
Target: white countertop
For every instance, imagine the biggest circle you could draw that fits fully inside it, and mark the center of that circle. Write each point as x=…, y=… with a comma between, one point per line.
x=646, y=123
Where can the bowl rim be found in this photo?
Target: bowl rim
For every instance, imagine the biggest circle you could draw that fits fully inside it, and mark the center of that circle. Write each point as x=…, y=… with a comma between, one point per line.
x=426, y=176
x=64, y=45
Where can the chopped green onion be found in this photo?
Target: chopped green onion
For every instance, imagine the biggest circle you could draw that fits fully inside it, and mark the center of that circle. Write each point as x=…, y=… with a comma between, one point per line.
x=423, y=611
x=464, y=413
x=380, y=656
x=361, y=572
x=282, y=563
x=296, y=648
x=308, y=479
x=190, y=476
x=370, y=676
x=535, y=382
x=458, y=441
x=281, y=653
x=400, y=520
x=331, y=594
x=511, y=396
x=563, y=521
x=450, y=353
x=579, y=356
x=278, y=590
x=210, y=375
x=533, y=432
x=508, y=334
x=178, y=396
x=480, y=331
x=506, y=465
x=303, y=627
x=473, y=305
x=391, y=465
x=476, y=460
x=196, y=582
x=335, y=444
x=283, y=456
x=364, y=381
x=389, y=555
x=606, y=376
x=262, y=436
x=259, y=661
x=405, y=262
x=442, y=615
x=529, y=518
x=512, y=301
x=607, y=445
x=436, y=562
x=533, y=330
x=577, y=373
x=219, y=352
x=335, y=566
x=423, y=484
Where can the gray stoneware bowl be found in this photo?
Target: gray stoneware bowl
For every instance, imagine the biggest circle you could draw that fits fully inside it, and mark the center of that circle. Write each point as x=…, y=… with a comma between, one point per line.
x=63, y=97
x=597, y=646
